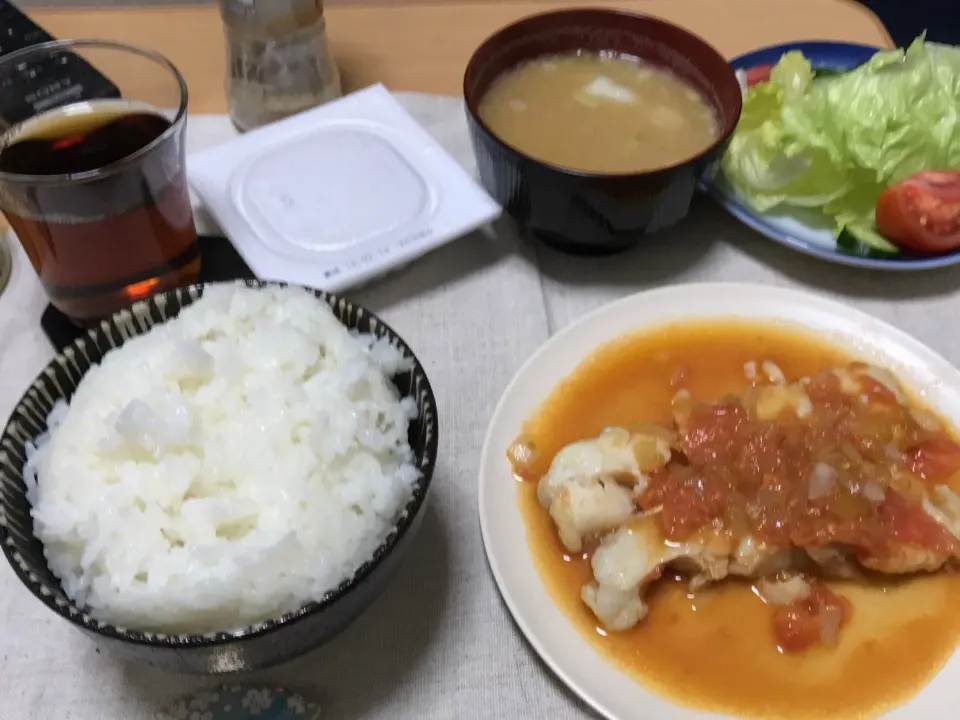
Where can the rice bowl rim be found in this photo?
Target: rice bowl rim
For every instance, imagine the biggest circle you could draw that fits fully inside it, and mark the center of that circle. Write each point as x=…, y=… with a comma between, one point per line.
x=137, y=320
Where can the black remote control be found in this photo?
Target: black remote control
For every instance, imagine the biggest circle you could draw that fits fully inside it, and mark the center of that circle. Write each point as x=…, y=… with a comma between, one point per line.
x=57, y=80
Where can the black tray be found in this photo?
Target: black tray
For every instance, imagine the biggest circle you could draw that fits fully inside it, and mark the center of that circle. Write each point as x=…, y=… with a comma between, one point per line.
x=219, y=262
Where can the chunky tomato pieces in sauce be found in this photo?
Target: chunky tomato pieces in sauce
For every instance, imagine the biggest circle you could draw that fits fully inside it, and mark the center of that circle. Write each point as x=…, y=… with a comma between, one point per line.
x=812, y=620
x=846, y=465
x=800, y=481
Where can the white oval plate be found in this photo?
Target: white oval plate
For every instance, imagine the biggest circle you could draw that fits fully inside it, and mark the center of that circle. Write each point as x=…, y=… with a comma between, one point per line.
x=611, y=692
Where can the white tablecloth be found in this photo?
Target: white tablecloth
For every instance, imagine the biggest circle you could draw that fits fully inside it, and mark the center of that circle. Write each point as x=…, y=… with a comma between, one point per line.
x=439, y=644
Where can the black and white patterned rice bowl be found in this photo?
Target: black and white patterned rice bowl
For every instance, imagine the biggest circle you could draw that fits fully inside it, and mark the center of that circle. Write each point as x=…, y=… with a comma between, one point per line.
x=261, y=645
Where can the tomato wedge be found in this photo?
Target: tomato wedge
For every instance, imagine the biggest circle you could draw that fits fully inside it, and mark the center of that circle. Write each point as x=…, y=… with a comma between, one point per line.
x=758, y=74
x=922, y=213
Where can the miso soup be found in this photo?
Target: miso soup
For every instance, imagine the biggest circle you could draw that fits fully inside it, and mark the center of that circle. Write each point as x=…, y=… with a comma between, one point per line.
x=599, y=113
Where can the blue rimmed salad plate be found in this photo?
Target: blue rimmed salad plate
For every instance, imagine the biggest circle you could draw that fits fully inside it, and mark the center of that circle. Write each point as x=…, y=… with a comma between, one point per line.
x=826, y=127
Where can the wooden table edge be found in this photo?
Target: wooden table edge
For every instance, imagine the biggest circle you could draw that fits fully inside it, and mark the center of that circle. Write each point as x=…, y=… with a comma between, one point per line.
x=40, y=11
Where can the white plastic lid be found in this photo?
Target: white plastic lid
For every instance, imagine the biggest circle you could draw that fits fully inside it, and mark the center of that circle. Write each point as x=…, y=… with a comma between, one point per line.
x=339, y=194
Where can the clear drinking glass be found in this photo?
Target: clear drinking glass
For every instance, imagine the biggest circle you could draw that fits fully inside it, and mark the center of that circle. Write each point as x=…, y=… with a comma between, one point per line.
x=92, y=175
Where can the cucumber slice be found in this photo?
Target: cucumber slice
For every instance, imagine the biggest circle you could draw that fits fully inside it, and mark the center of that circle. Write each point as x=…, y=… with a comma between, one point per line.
x=828, y=71
x=865, y=241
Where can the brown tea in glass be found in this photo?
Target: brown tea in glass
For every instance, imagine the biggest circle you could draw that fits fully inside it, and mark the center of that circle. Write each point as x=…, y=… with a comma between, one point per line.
x=96, y=191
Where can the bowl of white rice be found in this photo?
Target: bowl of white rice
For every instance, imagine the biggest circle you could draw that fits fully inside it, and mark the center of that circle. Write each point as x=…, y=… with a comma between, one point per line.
x=221, y=477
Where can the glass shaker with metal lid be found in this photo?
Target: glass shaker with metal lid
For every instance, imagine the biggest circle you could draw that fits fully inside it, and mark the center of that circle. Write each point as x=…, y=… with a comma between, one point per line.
x=278, y=59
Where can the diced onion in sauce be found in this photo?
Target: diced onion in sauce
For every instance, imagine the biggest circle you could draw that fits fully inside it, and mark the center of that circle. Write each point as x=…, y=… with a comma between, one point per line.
x=682, y=406
x=650, y=452
x=887, y=379
x=948, y=500
x=830, y=621
x=772, y=400
x=926, y=419
x=803, y=405
x=944, y=507
x=783, y=592
x=848, y=386
x=522, y=454
x=657, y=430
x=873, y=492
x=773, y=372
x=750, y=370
x=822, y=479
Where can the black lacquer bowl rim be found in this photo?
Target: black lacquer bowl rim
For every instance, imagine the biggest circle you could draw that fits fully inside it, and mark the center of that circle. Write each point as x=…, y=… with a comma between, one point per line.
x=117, y=329
x=575, y=15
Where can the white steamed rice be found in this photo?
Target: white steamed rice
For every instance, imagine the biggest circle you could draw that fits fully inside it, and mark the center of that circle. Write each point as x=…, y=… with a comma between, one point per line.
x=224, y=468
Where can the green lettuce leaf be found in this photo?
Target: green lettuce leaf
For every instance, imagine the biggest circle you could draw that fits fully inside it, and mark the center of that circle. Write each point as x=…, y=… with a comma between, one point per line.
x=836, y=141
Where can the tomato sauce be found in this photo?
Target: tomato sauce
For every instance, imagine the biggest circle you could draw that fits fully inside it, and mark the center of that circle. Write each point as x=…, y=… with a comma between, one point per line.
x=713, y=650
x=746, y=474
